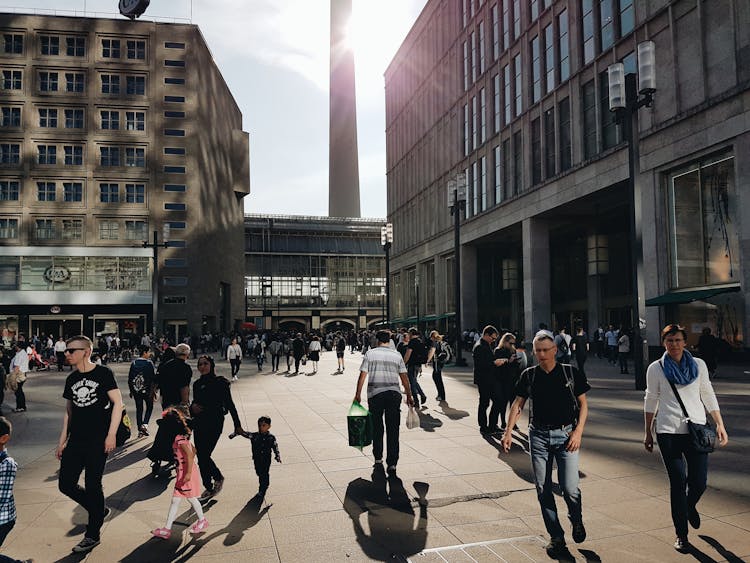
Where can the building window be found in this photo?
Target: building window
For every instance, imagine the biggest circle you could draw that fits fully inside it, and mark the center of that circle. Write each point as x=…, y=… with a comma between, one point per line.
x=48, y=82
x=109, y=193
x=109, y=230
x=73, y=192
x=465, y=12
x=174, y=169
x=174, y=63
x=10, y=153
x=175, y=262
x=135, y=156
x=75, y=46
x=474, y=111
x=110, y=156
x=517, y=163
x=474, y=61
x=110, y=84
x=498, y=175
x=549, y=143
x=589, y=50
x=175, y=281
x=13, y=44
x=175, y=99
x=173, y=45
x=47, y=117
x=549, y=58
x=516, y=19
x=508, y=98
x=495, y=32
x=174, y=150
x=177, y=114
x=135, y=193
x=174, y=187
x=74, y=82
x=110, y=119
x=135, y=85
x=703, y=216
x=466, y=65
x=174, y=132
x=47, y=154
x=50, y=44
x=10, y=190
x=46, y=191
x=482, y=67
x=111, y=48
x=496, y=106
x=176, y=243
x=72, y=229
x=135, y=230
x=467, y=138
x=474, y=188
x=536, y=152
x=175, y=206
x=610, y=130
x=536, y=70
x=564, y=46
x=607, y=23
x=519, y=83
x=175, y=225
x=483, y=183
x=74, y=119
x=588, y=100
x=135, y=121
x=8, y=228
x=12, y=79
x=137, y=50
x=11, y=117
x=506, y=24
x=174, y=81
x=627, y=17
x=73, y=155
x=483, y=115
x=563, y=109
x=44, y=229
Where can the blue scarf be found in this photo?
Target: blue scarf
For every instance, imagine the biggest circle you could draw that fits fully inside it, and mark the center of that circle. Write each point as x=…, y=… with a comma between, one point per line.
x=680, y=374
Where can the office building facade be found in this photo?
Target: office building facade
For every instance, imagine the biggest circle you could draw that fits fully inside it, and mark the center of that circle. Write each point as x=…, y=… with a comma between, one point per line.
x=513, y=94
x=110, y=131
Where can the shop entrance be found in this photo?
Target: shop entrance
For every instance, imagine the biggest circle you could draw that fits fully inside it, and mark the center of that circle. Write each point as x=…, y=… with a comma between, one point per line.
x=176, y=331
x=56, y=325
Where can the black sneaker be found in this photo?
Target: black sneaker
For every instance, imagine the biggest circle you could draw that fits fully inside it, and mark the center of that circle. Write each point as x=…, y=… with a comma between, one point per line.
x=579, y=532
x=555, y=547
x=85, y=545
x=681, y=544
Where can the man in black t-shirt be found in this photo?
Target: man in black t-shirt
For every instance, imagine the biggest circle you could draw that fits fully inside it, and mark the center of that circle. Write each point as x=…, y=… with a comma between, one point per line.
x=92, y=415
x=557, y=414
x=173, y=378
x=416, y=355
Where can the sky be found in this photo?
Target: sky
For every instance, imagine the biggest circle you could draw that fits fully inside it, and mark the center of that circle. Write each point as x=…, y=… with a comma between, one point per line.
x=274, y=56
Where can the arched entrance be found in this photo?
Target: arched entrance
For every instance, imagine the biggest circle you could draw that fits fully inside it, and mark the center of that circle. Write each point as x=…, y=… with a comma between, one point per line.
x=333, y=325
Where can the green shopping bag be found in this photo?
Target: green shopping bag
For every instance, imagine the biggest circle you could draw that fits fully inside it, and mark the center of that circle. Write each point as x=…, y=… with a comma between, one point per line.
x=359, y=423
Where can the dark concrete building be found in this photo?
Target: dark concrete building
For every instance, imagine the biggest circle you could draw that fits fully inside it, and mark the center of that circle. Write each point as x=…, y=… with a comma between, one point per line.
x=111, y=130
x=514, y=95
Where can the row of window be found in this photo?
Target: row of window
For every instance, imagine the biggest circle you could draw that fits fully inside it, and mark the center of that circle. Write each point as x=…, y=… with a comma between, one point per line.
x=65, y=228
x=72, y=155
x=72, y=191
x=75, y=46
x=74, y=83
x=73, y=118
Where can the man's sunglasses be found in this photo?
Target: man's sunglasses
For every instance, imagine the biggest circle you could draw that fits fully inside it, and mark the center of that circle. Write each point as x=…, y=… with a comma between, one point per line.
x=71, y=350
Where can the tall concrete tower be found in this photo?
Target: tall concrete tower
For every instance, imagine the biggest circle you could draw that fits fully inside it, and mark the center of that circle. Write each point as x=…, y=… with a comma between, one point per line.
x=343, y=163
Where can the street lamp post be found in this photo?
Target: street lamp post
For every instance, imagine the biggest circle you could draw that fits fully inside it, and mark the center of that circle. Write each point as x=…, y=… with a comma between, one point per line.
x=416, y=289
x=625, y=99
x=155, y=279
x=386, y=239
x=456, y=202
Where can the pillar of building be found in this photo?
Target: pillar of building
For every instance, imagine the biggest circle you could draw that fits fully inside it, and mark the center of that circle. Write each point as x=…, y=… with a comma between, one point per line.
x=595, y=316
x=343, y=164
x=742, y=146
x=469, y=303
x=536, y=275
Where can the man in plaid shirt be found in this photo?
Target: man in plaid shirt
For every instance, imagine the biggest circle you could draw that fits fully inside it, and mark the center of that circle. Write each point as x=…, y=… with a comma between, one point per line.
x=8, y=469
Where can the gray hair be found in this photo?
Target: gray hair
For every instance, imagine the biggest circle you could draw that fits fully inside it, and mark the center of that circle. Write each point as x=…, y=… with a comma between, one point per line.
x=543, y=335
x=182, y=350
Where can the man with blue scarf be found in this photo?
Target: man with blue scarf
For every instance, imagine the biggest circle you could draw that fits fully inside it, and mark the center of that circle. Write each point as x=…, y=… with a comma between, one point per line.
x=687, y=468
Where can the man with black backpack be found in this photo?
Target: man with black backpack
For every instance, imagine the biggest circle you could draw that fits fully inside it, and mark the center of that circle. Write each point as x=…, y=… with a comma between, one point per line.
x=415, y=358
x=557, y=414
x=141, y=384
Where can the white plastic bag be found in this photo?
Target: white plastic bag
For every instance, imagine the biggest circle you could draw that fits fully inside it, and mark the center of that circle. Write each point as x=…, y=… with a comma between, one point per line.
x=412, y=419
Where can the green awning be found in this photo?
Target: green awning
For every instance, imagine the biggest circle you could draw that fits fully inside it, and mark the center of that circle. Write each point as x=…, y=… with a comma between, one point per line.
x=690, y=295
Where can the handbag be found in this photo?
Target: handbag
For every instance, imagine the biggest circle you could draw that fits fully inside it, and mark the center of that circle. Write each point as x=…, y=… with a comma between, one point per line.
x=702, y=436
x=412, y=419
x=124, y=429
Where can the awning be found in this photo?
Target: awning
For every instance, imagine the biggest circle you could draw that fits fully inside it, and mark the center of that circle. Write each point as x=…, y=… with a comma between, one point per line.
x=690, y=295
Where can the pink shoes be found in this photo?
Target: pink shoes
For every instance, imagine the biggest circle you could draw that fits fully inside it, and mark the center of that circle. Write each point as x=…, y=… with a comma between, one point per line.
x=199, y=527
x=162, y=533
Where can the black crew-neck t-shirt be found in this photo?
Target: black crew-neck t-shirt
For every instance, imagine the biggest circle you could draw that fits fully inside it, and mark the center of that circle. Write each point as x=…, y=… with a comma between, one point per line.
x=552, y=402
x=92, y=409
x=172, y=377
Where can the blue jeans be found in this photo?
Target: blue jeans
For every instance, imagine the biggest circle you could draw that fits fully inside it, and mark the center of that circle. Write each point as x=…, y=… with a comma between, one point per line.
x=685, y=488
x=547, y=446
x=385, y=405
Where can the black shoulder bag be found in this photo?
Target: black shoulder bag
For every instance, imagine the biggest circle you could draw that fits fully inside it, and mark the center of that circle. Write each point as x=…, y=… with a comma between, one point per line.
x=702, y=436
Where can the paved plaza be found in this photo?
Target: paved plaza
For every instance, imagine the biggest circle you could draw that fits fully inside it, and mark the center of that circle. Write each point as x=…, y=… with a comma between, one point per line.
x=456, y=498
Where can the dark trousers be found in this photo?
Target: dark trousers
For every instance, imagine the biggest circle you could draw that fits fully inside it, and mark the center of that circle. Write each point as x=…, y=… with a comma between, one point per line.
x=235, y=363
x=297, y=360
x=60, y=360
x=488, y=391
x=262, y=471
x=506, y=396
x=275, y=358
x=4, y=531
x=20, y=397
x=623, y=358
x=612, y=354
x=437, y=377
x=688, y=472
x=77, y=458
x=580, y=361
x=140, y=402
x=385, y=405
x=416, y=389
x=207, y=434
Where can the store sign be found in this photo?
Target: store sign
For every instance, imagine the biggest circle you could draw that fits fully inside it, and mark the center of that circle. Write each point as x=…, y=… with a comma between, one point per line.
x=55, y=309
x=56, y=274
x=133, y=8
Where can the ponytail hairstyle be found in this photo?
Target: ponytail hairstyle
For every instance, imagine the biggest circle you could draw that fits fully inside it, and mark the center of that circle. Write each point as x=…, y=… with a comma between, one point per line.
x=176, y=421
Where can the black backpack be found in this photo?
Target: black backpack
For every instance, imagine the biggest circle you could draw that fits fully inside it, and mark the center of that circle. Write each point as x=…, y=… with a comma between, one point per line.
x=418, y=353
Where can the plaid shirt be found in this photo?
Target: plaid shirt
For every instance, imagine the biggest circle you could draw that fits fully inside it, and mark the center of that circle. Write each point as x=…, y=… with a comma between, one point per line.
x=8, y=469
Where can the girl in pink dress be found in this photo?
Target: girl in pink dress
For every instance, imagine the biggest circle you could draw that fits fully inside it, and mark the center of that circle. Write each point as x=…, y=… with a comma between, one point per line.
x=187, y=484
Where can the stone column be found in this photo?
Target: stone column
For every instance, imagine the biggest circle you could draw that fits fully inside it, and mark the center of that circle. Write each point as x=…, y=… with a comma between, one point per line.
x=469, y=305
x=536, y=275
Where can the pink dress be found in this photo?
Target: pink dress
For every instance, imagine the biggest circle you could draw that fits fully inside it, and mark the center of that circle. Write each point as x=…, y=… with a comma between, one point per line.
x=192, y=488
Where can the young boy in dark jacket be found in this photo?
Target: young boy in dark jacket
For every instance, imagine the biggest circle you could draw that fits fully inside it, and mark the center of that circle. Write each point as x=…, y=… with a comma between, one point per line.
x=263, y=442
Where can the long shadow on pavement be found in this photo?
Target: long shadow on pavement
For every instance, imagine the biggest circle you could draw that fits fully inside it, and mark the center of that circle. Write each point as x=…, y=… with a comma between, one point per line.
x=453, y=414
x=724, y=553
x=395, y=529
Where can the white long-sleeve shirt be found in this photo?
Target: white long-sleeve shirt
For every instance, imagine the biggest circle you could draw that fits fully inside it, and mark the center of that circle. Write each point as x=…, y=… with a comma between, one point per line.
x=20, y=360
x=698, y=397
